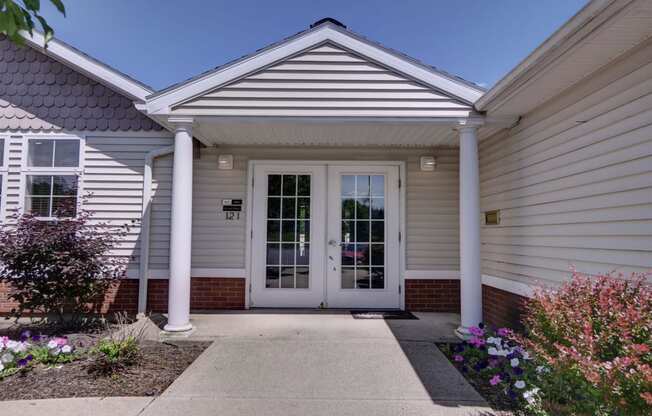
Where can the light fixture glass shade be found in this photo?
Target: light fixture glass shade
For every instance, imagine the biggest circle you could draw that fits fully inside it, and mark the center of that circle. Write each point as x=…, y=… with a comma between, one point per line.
x=428, y=163
x=225, y=162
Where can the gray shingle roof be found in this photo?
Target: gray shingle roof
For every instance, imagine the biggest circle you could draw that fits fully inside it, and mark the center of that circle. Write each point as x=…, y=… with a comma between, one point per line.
x=40, y=93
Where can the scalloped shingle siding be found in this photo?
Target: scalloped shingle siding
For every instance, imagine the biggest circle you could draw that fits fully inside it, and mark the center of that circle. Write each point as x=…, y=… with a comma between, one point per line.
x=40, y=93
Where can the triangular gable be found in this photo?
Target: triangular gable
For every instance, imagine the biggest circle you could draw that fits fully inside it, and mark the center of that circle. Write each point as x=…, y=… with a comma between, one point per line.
x=330, y=56
x=326, y=80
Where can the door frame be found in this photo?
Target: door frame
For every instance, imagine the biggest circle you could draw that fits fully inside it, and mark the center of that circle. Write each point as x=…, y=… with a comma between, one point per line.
x=402, y=215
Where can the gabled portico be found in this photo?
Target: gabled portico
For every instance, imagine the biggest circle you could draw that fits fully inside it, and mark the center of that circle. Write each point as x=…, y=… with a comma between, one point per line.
x=325, y=88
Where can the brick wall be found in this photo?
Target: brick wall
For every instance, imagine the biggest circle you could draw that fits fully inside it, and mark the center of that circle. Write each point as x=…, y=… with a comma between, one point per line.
x=205, y=293
x=501, y=308
x=428, y=295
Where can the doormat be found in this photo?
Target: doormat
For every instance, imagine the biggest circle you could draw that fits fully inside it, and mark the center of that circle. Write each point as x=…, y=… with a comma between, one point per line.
x=382, y=315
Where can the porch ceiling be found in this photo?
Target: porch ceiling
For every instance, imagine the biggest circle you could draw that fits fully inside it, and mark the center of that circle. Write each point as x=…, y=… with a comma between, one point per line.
x=324, y=133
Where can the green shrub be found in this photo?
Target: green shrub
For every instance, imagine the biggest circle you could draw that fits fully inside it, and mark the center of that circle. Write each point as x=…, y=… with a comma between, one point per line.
x=111, y=356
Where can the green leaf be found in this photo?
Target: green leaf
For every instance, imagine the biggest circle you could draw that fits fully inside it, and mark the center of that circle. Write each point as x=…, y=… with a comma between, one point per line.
x=59, y=5
x=34, y=5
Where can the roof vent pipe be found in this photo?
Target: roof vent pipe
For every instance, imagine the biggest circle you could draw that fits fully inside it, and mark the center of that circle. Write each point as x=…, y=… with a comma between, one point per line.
x=328, y=20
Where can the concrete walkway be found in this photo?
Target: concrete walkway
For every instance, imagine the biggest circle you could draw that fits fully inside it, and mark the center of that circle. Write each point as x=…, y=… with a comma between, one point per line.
x=273, y=363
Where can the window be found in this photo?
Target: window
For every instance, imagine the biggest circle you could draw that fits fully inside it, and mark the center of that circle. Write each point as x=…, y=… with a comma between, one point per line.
x=53, y=153
x=51, y=195
x=51, y=184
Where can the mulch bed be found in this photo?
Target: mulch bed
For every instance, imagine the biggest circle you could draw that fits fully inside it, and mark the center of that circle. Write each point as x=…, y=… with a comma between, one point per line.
x=496, y=399
x=160, y=365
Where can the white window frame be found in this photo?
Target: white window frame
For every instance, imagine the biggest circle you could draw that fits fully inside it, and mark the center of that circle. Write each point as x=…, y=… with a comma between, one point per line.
x=4, y=177
x=51, y=171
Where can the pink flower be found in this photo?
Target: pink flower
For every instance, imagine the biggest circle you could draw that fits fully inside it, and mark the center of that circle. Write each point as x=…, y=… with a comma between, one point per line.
x=504, y=332
x=60, y=341
x=478, y=332
x=477, y=342
x=458, y=358
x=495, y=380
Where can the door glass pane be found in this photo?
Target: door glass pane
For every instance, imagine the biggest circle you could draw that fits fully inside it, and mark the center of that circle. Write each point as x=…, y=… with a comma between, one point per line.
x=274, y=185
x=288, y=231
x=363, y=222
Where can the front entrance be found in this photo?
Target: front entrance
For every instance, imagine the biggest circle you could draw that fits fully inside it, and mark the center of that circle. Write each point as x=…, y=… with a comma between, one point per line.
x=325, y=234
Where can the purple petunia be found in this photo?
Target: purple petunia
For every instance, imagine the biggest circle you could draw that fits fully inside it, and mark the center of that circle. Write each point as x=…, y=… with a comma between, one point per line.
x=22, y=362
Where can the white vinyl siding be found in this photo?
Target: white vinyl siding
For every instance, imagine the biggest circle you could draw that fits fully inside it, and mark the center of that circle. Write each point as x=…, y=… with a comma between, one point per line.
x=574, y=180
x=325, y=81
x=113, y=175
x=432, y=238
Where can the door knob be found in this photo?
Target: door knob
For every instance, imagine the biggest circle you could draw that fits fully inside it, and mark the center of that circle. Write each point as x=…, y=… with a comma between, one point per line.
x=334, y=243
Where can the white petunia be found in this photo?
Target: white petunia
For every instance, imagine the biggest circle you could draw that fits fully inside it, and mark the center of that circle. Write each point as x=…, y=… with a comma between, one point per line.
x=492, y=351
x=7, y=358
x=514, y=362
x=531, y=395
x=52, y=344
x=494, y=340
x=520, y=384
x=2, y=367
x=525, y=355
x=66, y=349
x=17, y=347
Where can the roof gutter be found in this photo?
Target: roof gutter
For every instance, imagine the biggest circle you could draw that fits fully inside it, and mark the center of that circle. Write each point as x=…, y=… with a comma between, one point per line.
x=554, y=42
x=143, y=273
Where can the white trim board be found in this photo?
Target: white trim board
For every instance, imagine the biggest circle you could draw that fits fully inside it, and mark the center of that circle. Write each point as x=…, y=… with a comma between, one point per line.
x=511, y=286
x=431, y=274
x=198, y=272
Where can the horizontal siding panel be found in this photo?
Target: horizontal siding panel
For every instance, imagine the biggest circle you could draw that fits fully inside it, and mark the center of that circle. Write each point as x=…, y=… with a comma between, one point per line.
x=324, y=103
x=329, y=85
x=574, y=185
x=311, y=94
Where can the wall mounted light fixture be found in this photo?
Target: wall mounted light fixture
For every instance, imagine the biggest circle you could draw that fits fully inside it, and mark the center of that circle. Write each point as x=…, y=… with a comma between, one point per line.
x=225, y=162
x=428, y=163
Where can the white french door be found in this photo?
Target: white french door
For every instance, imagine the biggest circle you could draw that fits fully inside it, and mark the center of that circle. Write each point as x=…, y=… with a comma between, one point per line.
x=363, y=237
x=325, y=235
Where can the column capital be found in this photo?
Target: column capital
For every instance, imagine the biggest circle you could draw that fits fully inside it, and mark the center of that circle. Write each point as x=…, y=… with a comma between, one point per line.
x=469, y=124
x=181, y=122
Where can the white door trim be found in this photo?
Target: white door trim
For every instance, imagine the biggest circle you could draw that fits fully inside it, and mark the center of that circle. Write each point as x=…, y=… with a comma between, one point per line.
x=249, y=209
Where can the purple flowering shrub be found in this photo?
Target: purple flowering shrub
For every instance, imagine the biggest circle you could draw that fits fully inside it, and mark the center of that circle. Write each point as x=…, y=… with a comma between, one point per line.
x=59, y=268
x=29, y=350
x=497, y=361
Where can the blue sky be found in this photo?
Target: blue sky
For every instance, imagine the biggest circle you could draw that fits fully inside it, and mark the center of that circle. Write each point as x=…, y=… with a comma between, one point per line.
x=161, y=42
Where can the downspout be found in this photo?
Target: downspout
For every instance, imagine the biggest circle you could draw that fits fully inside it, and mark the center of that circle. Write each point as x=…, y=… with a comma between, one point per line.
x=143, y=272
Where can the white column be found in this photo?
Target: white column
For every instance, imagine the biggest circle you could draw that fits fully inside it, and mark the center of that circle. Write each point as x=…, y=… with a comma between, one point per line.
x=470, y=275
x=181, y=230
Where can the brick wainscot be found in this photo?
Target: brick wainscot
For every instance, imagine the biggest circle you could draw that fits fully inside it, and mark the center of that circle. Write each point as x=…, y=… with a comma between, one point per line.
x=206, y=293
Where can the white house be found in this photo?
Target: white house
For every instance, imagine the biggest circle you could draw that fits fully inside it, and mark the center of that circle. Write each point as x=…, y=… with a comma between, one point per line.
x=327, y=170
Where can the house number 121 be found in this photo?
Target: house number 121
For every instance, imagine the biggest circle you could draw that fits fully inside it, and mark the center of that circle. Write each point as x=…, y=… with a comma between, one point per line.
x=232, y=216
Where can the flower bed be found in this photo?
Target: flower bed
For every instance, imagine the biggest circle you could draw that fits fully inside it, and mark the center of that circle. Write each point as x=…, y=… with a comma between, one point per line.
x=586, y=350
x=37, y=366
x=501, y=370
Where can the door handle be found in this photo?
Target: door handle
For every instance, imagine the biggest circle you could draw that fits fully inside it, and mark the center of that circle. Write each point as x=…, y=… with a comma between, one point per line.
x=335, y=243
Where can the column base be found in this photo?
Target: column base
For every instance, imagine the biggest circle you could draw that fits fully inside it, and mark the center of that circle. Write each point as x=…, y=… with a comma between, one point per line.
x=462, y=332
x=178, y=328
